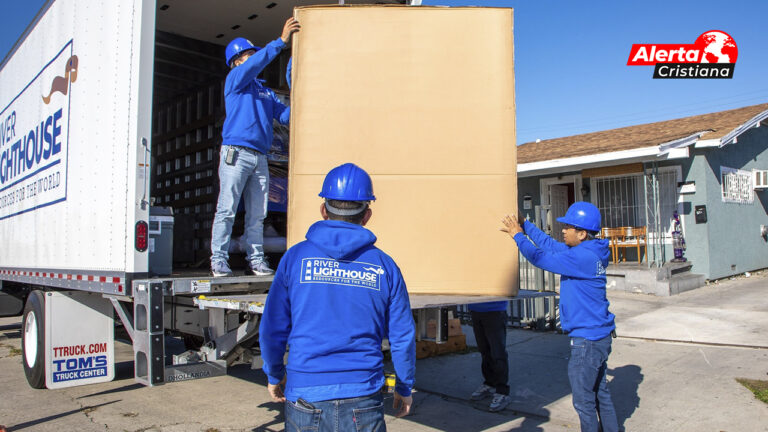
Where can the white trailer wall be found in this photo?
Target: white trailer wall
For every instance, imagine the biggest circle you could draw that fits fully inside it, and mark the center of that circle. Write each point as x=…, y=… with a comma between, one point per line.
x=73, y=202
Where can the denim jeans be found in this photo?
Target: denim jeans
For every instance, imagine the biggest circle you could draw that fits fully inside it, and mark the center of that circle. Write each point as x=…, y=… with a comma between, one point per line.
x=361, y=414
x=490, y=330
x=247, y=177
x=586, y=372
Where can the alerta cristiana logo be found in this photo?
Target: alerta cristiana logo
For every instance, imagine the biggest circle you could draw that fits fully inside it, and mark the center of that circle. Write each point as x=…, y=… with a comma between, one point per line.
x=712, y=55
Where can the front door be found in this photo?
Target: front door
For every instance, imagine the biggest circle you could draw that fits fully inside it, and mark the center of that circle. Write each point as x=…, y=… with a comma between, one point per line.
x=558, y=199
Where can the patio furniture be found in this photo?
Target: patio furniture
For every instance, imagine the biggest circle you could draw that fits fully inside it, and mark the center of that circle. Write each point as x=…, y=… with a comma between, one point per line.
x=631, y=237
x=612, y=235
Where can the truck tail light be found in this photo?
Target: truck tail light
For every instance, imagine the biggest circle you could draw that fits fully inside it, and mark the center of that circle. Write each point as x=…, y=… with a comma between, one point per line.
x=142, y=236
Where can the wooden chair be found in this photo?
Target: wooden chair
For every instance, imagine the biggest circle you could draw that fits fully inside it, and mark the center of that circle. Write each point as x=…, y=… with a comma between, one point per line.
x=632, y=237
x=612, y=235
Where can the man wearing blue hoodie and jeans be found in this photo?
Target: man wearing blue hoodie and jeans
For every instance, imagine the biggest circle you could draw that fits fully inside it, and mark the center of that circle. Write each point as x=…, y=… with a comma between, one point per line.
x=246, y=139
x=584, y=314
x=333, y=300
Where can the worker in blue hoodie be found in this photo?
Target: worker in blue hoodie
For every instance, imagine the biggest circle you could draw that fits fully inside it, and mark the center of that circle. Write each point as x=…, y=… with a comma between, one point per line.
x=246, y=139
x=581, y=261
x=333, y=300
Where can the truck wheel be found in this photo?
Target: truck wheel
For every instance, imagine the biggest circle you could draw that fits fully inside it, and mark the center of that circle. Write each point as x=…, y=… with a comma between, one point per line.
x=33, y=339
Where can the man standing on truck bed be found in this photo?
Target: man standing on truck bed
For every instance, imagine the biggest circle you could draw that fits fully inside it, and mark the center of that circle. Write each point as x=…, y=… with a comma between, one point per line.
x=246, y=139
x=334, y=298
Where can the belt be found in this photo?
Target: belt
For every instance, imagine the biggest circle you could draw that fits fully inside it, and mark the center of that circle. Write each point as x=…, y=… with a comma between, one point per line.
x=248, y=149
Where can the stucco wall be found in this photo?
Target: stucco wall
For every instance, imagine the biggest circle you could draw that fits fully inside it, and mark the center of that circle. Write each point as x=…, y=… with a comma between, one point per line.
x=695, y=169
x=735, y=244
x=529, y=186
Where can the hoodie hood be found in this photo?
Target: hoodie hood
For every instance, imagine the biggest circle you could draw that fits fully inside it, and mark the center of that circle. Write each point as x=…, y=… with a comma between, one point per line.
x=600, y=247
x=339, y=239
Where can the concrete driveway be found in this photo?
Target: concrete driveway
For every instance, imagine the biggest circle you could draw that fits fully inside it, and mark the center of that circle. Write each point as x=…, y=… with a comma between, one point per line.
x=673, y=368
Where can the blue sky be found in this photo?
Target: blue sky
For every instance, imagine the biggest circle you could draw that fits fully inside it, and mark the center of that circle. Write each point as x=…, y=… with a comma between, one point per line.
x=570, y=60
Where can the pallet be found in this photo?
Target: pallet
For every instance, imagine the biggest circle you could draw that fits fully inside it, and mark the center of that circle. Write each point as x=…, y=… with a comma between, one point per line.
x=425, y=349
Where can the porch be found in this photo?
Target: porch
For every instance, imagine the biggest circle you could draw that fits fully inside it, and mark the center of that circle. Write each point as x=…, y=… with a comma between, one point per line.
x=670, y=278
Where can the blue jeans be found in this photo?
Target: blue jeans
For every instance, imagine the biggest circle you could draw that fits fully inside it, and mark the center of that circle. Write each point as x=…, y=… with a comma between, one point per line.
x=361, y=414
x=247, y=177
x=586, y=372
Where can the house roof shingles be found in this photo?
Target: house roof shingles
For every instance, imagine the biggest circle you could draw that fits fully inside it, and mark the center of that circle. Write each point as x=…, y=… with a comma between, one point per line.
x=717, y=124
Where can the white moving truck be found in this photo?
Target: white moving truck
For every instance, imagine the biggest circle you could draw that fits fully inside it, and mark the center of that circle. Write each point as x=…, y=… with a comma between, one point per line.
x=105, y=108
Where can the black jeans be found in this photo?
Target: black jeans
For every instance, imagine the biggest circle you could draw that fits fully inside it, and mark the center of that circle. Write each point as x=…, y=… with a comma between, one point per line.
x=490, y=330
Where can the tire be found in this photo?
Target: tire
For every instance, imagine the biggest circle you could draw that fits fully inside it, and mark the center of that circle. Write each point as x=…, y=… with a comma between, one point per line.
x=33, y=340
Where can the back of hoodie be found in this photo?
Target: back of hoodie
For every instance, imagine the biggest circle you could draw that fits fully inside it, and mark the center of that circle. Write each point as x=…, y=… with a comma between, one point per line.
x=334, y=298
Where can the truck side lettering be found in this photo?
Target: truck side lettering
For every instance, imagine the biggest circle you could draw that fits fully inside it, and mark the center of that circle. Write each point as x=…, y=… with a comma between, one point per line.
x=30, y=151
x=8, y=129
x=48, y=138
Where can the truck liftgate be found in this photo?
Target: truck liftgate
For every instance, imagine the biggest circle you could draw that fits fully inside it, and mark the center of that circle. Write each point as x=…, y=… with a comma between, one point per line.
x=68, y=334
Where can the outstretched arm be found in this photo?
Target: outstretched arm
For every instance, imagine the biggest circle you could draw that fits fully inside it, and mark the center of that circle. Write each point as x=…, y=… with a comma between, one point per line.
x=566, y=262
x=514, y=225
x=542, y=239
x=240, y=76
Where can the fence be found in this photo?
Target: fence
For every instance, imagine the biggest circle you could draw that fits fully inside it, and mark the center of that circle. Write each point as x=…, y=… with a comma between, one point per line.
x=540, y=313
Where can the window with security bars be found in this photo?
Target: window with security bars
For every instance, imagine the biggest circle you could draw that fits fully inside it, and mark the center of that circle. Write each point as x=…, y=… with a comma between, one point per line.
x=622, y=199
x=737, y=185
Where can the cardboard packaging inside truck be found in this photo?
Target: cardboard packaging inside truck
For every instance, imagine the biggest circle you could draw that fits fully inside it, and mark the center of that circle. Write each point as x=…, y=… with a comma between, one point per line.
x=423, y=99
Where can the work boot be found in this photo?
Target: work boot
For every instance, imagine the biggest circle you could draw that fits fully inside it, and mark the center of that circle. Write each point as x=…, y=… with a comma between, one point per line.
x=220, y=269
x=483, y=392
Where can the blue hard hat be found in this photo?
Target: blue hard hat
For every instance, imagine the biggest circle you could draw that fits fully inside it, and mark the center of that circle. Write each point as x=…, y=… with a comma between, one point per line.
x=348, y=182
x=582, y=215
x=237, y=46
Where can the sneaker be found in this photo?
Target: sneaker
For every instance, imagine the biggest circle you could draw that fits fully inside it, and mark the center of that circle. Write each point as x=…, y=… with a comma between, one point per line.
x=499, y=402
x=260, y=269
x=220, y=269
x=483, y=392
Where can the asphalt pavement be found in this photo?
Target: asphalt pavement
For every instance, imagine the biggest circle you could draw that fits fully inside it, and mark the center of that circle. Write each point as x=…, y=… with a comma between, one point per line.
x=673, y=368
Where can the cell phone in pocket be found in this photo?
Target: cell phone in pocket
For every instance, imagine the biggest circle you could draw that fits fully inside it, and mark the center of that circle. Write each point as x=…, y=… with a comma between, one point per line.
x=229, y=158
x=304, y=404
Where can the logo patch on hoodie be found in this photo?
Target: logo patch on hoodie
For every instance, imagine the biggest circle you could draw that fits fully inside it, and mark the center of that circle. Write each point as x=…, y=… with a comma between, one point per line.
x=600, y=268
x=338, y=272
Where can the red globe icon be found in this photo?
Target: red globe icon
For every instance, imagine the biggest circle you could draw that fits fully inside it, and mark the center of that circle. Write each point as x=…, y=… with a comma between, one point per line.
x=717, y=47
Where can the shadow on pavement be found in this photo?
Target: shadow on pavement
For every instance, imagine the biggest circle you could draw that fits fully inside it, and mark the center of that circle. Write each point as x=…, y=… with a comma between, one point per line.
x=124, y=388
x=537, y=378
x=277, y=423
x=12, y=331
x=33, y=423
x=624, y=387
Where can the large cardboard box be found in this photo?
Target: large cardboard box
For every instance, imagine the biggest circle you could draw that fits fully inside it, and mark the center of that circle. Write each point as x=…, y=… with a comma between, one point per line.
x=423, y=99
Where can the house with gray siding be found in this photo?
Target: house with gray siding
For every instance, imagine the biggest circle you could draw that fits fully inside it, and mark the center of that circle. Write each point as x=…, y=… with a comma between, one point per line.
x=710, y=169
